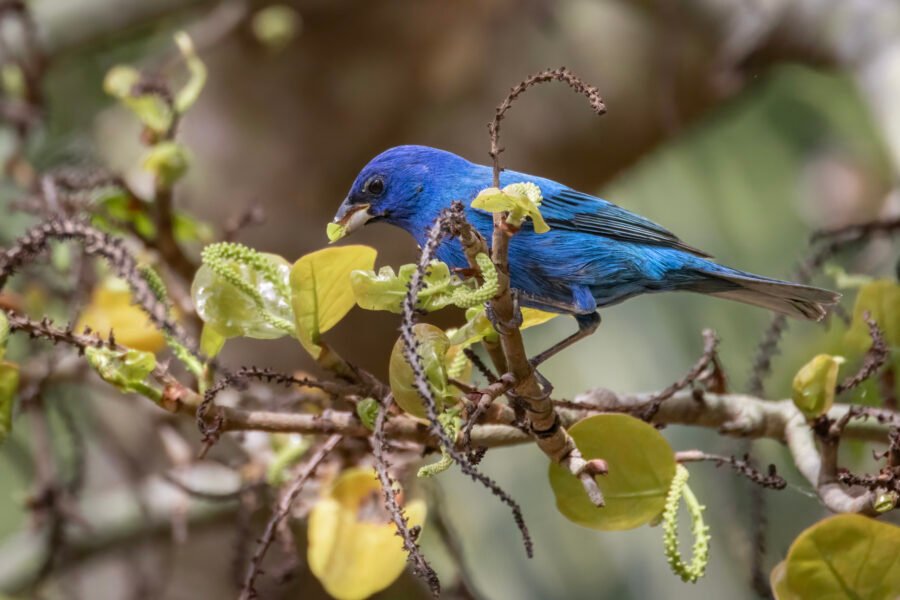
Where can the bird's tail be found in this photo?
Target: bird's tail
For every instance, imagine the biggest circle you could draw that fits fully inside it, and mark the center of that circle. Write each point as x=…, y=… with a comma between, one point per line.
x=792, y=299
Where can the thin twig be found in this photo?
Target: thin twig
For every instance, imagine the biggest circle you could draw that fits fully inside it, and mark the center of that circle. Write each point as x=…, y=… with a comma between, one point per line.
x=420, y=565
x=248, y=591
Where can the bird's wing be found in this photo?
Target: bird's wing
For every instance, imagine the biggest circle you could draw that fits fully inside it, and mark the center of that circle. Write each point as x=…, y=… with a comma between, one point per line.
x=570, y=210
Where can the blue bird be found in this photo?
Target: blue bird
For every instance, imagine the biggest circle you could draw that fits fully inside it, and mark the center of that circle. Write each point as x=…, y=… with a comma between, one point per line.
x=596, y=254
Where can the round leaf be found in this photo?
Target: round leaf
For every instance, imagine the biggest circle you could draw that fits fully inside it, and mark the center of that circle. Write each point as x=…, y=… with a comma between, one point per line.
x=233, y=313
x=9, y=385
x=881, y=299
x=844, y=556
x=814, y=384
x=433, y=347
x=353, y=548
x=641, y=468
x=320, y=289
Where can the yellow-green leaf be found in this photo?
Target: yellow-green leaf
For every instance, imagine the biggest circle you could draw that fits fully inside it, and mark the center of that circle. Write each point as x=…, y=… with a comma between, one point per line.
x=354, y=550
x=881, y=299
x=211, y=341
x=641, y=469
x=519, y=200
x=168, y=161
x=432, y=347
x=814, y=384
x=844, y=556
x=478, y=327
x=9, y=385
x=321, y=293
x=111, y=308
x=4, y=333
x=191, y=91
x=335, y=231
x=125, y=369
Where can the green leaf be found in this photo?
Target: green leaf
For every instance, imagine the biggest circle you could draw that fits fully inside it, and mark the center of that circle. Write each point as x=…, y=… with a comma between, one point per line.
x=187, y=96
x=287, y=454
x=211, y=341
x=844, y=556
x=4, y=333
x=814, y=384
x=478, y=327
x=321, y=292
x=432, y=347
x=519, y=200
x=167, y=161
x=881, y=299
x=151, y=109
x=9, y=385
x=242, y=292
x=188, y=229
x=386, y=290
x=335, y=231
x=127, y=370
x=367, y=411
x=641, y=469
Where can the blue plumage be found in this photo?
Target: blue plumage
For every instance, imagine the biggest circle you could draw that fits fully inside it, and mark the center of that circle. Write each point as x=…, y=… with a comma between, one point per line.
x=596, y=254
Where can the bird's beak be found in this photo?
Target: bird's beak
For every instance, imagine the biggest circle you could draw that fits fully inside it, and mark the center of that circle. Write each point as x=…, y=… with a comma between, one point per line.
x=349, y=218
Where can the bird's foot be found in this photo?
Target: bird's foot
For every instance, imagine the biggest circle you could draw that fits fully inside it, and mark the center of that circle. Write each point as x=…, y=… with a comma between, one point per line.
x=505, y=327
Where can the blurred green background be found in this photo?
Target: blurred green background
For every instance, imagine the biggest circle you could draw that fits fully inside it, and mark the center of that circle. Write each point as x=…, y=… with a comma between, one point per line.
x=740, y=131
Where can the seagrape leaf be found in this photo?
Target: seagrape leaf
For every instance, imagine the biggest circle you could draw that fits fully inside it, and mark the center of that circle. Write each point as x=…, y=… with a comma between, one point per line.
x=881, y=299
x=111, y=308
x=353, y=547
x=321, y=292
x=211, y=341
x=641, y=469
x=335, y=231
x=9, y=385
x=519, y=200
x=386, y=290
x=814, y=384
x=478, y=327
x=4, y=333
x=127, y=369
x=241, y=292
x=844, y=556
x=151, y=109
x=188, y=94
x=167, y=161
x=432, y=347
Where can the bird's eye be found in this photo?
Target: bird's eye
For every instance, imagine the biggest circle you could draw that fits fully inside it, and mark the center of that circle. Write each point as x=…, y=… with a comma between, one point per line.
x=374, y=186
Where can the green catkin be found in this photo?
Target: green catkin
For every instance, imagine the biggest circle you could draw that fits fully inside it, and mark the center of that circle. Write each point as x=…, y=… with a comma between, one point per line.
x=464, y=297
x=678, y=490
x=179, y=350
x=220, y=258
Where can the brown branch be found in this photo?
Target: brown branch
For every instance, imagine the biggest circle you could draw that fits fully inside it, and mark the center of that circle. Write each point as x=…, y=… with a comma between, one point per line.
x=438, y=231
x=95, y=243
x=248, y=590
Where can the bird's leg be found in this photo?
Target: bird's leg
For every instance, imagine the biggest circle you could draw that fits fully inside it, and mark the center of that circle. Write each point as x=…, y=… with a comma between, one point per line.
x=501, y=327
x=587, y=324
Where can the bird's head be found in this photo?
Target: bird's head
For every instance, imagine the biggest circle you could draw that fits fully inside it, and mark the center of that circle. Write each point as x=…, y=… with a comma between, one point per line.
x=392, y=188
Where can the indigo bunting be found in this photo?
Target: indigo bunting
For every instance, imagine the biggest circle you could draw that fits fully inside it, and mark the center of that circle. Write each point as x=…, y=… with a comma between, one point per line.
x=596, y=254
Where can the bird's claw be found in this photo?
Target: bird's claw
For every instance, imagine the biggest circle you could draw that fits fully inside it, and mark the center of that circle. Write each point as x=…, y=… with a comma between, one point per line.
x=505, y=327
